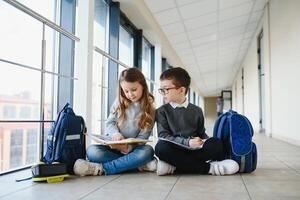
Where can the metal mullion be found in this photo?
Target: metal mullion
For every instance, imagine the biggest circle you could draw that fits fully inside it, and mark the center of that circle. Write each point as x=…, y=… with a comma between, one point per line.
x=37, y=69
x=117, y=61
x=103, y=87
x=26, y=121
x=42, y=99
x=102, y=120
x=42, y=19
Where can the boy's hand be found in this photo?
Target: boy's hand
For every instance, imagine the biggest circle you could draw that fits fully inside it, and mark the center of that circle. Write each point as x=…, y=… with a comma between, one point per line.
x=195, y=142
x=117, y=136
x=123, y=148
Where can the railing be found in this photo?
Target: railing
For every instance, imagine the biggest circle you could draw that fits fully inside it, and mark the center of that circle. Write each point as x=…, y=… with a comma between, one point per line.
x=103, y=53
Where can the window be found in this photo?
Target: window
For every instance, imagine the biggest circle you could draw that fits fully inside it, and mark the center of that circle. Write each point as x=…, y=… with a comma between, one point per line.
x=101, y=17
x=125, y=48
x=21, y=32
x=114, y=29
x=227, y=99
x=194, y=97
x=147, y=62
x=189, y=95
x=9, y=111
x=42, y=7
x=100, y=64
x=16, y=145
x=164, y=64
x=31, y=148
x=21, y=71
x=25, y=112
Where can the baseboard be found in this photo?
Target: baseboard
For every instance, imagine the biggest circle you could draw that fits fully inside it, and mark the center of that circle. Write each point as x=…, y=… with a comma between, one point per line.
x=286, y=139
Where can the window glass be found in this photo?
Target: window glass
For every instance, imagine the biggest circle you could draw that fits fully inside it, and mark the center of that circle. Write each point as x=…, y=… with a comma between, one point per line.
x=25, y=112
x=20, y=37
x=99, y=87
x=125, y=48
x=9, y=111
x=19, y=88
x=16, y=146
x=44, y=7
x=146, y=61
x=101, y=11
x=31, y=146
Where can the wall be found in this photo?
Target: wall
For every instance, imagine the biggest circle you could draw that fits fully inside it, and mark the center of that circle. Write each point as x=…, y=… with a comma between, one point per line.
x=281, y=43
x=251, y=103
x=285, y=69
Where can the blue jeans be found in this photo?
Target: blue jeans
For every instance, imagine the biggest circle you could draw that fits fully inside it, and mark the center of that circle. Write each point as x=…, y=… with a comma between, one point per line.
x=114, y=162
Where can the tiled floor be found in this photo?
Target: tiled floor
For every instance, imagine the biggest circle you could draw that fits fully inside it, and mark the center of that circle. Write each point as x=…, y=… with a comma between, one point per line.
x=277, y=177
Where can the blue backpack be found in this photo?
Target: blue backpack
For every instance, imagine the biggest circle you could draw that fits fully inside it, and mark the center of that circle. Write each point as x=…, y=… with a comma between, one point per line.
x=66, y=139
x=236, y=132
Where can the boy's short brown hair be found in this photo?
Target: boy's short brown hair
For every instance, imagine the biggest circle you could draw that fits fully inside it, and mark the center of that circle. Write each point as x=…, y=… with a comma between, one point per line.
x=179, y=76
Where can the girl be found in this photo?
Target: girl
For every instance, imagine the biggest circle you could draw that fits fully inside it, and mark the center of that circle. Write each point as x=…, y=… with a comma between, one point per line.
x=131, y=116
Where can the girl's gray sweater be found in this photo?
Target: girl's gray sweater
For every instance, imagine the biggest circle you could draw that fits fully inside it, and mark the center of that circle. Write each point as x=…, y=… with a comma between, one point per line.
x=129, y=128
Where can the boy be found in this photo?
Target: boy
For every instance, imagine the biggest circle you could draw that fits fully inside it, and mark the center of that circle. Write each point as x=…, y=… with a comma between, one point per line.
x=180, y=127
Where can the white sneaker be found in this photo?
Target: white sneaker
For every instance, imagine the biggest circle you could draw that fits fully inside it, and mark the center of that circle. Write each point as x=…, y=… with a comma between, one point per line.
x=164, y=168
x=85, y=168
x=149, y=167
x=224, y=167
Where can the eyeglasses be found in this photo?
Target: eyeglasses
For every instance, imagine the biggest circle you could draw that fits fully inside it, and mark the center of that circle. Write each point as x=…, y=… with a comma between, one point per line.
x=164, y=91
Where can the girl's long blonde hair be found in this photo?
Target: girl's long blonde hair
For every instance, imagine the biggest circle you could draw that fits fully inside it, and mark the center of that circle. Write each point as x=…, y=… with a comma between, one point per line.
x=146, y=119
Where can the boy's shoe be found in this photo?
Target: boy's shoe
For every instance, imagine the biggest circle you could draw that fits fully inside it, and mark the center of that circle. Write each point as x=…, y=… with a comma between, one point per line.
x=224, y=167
x=85, y=168
x=164, y=168
x=150, y=166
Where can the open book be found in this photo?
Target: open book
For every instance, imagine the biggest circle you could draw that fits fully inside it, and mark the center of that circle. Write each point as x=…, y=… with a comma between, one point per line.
x=182, y=145
x=107, y=140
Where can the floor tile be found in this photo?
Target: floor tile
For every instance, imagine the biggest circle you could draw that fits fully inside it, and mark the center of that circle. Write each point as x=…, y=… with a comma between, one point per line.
x=9, y=185
x=273, y=188
x=276, y=175
x=70, y=188
x=136, y=186
x=192, y=195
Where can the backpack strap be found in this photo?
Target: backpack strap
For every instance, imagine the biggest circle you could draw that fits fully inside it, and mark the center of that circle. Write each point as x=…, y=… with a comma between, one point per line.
x=57, y=129
x=23, y=179
x=84, y=129
x=216, y=126
x=220, y=126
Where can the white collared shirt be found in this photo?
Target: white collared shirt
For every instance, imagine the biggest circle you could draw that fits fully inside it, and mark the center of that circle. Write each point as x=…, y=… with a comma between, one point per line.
x=176, y=105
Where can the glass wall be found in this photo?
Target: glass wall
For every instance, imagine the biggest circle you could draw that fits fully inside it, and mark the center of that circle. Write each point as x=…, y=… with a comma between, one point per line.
x=25, y=81
x=30, y=82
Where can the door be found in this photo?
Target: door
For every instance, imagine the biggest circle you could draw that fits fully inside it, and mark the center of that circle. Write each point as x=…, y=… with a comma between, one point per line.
x=261, y=79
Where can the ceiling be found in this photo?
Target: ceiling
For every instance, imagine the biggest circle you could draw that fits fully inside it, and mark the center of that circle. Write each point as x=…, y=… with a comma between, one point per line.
x=211, y=37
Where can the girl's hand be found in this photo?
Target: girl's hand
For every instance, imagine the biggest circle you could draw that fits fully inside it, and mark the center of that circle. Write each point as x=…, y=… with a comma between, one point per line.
x=117, y=136
x=195, y=142
x=123, y=148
